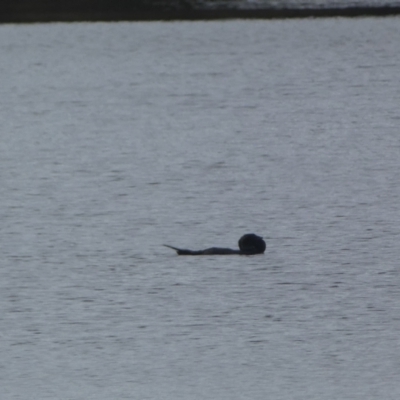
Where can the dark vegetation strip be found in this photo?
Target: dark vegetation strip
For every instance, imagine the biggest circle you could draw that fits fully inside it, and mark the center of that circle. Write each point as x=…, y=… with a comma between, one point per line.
x=151, y=10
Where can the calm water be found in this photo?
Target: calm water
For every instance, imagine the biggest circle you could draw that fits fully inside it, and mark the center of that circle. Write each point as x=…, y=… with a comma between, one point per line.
x=305, y=3
x=117, y=138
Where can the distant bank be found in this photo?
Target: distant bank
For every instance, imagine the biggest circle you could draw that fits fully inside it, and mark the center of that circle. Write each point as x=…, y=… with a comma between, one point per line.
x=25, y=11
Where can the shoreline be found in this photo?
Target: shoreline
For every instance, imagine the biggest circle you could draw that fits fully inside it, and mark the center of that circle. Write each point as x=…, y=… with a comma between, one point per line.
x=64, y=14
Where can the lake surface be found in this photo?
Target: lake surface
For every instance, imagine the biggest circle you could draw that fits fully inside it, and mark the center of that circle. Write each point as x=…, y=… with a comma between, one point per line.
x=117, y=138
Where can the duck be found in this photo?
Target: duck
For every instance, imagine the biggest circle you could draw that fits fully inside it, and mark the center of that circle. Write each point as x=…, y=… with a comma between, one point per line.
x=249, y=244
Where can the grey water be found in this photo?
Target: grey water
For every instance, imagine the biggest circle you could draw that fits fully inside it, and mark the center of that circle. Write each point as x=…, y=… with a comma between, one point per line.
x=117, y=138
x=298, y=3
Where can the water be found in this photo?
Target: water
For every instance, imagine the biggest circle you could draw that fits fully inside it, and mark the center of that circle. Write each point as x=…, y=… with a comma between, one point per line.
x=117, y=138
x=302, y=3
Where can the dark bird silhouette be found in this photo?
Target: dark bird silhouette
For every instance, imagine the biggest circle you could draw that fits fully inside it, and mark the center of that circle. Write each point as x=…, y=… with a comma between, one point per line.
x=249, y=244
